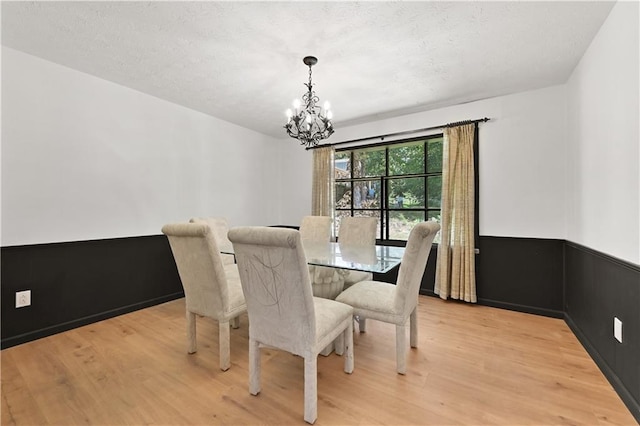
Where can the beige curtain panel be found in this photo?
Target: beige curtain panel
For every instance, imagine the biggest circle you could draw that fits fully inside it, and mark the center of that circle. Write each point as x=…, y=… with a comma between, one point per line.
x=322, y=183
x=455, y=271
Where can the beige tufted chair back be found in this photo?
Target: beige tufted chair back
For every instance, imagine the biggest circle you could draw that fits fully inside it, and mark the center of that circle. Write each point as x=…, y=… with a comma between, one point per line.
x=220, y=227
x=316, y=228
x=359, y=231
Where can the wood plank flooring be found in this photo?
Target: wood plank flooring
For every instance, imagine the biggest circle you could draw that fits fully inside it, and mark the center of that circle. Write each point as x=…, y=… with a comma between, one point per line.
x=475, y=365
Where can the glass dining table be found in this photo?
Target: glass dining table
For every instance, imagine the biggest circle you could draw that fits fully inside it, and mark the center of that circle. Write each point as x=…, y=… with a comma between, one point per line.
x=378, y=259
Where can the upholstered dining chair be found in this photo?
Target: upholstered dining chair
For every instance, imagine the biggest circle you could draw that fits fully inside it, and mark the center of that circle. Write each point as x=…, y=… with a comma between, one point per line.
x=210, y=288
x=316, y=228
x=282, y=311
x=220, y=228
x=325, y=282
x=357, y=231
x=396, y=304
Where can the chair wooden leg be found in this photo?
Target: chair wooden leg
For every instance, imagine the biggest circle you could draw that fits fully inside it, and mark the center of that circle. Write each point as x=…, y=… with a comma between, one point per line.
x=254, y=367
x=192, y=345
x=338, y=344
x=401, y=349
x=235, y=322
x=310, y=388
x=327, y=350
x=223, y=342
x=348, y=348
x=413, y=328
x=362, y=324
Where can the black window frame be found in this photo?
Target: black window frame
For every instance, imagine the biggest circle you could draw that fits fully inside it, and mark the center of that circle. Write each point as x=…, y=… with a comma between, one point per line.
x=384, y=208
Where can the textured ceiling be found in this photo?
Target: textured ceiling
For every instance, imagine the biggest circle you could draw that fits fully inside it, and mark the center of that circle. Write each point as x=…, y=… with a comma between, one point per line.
x=242, y=61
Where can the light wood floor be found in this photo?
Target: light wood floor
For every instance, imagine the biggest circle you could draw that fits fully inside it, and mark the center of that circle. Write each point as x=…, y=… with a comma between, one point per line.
x=475, y=365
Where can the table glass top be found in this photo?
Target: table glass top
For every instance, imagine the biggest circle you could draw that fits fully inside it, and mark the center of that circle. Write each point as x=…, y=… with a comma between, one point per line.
x=378, y=259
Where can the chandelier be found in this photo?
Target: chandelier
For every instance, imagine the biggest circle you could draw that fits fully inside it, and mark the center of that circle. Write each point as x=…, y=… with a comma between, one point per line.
x=309, y=123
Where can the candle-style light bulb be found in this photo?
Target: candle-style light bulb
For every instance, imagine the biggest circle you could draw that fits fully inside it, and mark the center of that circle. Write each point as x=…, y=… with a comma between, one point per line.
x=326, y=106
x=329, y=115
x=296, y=105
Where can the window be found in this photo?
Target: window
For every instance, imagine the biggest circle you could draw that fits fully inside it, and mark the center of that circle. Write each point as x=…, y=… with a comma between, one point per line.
x=399, y=183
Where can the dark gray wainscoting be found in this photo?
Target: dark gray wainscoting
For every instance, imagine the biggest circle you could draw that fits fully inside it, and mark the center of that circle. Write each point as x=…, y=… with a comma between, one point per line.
x=521, y=274
x=598, y=288
x=77, y=283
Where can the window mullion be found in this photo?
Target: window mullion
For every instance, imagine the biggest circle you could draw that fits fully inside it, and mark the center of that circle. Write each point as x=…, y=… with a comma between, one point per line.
x=426, y=179
x=386, y=195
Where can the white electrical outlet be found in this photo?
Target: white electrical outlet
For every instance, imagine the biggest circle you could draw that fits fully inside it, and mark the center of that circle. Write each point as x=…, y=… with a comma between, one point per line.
x=23, y=298
x=617, y=329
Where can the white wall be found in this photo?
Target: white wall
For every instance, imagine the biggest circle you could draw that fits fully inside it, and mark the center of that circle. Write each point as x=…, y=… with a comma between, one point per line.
x=522, y=160
x=603, y=207
x=84, y=158
x=296, y=182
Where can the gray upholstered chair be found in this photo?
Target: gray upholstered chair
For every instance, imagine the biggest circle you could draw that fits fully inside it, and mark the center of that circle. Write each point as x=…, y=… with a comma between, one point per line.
x=396, y=304
x=358, y=231
x=210, y=288
x=325, y=282
x=282, y=311
x=220, y=228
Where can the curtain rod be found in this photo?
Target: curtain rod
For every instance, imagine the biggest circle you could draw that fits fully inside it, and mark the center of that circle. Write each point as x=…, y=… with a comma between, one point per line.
x=406, y=132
